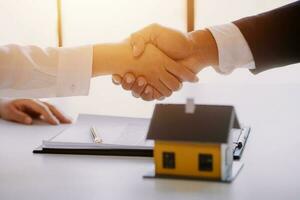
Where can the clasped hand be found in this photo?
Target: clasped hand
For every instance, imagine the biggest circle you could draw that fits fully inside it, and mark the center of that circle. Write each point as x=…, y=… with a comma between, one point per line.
x=174, y=58
x=186, y=54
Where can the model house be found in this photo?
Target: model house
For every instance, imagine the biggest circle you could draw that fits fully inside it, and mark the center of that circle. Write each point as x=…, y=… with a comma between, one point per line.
x=193, y=141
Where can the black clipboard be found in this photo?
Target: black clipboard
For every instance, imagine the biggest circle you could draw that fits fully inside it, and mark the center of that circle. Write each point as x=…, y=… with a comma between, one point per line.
x=240, y=142
x=100, y=152
x=237, y=150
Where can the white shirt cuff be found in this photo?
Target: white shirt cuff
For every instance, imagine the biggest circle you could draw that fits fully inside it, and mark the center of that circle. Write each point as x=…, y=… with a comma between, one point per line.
x=74, y=71
x=233, y=49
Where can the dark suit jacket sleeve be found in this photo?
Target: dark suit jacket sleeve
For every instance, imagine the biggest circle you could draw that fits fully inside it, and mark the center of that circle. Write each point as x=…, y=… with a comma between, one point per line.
x=273, y=37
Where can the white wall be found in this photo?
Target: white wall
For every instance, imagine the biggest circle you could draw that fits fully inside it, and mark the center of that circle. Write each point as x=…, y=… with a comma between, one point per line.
x=28, y=22
x=92, y=21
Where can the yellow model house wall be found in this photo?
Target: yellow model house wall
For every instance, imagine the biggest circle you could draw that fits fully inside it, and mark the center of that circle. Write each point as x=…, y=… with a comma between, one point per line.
x=186, y=159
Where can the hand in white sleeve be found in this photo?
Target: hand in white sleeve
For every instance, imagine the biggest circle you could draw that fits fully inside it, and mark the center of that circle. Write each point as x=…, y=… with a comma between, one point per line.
x=233, y=49
x=31, y=71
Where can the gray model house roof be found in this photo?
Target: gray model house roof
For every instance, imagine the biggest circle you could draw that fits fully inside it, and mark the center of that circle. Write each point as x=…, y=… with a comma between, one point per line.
x=208, y=123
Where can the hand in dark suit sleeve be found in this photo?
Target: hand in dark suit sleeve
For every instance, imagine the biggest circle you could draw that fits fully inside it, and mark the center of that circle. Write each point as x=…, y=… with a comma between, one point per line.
x=273, y=37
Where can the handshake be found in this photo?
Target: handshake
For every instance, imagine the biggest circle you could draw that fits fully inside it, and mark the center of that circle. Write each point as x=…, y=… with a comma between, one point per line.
x=152, y=63
x=155, y=61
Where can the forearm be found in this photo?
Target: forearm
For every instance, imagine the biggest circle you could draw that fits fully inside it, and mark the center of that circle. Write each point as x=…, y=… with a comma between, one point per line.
x=223, y=47
x=255, y=43
x=273, y=36
x=32, y=71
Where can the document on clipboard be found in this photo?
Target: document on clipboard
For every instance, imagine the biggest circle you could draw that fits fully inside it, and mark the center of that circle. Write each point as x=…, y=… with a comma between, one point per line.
x=120, y=136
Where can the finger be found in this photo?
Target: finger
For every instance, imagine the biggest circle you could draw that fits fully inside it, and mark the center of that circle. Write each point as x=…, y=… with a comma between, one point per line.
x=128, y=81
x=180, y=71
x=44, y=111
x=157, y=95
x=116, y=79
x=137, y=43
x=170, y=81
x=19, y=116
x=139, y=86
x=162, y=88
x=147, y=95
x=59, y=115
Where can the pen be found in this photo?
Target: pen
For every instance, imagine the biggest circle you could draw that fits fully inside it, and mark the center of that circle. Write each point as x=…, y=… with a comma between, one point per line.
x=95, y=135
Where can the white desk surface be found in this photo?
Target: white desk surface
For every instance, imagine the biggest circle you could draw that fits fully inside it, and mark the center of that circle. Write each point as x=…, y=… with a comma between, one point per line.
x=271, y=157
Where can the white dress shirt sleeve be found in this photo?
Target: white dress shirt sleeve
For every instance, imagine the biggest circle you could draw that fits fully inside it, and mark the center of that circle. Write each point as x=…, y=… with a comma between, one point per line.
x=32, y=72
x=233, y=49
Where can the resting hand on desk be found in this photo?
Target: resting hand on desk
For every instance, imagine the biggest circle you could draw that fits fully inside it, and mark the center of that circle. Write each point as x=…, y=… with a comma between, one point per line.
x=193, y=51
x=25, y=110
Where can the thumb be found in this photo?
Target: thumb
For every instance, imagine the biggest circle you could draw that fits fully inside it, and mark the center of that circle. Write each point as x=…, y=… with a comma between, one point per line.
x=19, y=116
x=138, y=44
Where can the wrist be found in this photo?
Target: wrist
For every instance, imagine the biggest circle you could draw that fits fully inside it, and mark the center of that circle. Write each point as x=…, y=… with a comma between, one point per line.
x=109, y=59
x=100, y=60
x=204, y=47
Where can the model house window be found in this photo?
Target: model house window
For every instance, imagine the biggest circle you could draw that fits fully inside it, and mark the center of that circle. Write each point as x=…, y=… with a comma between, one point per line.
x=205, y=162
x=168, y=160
